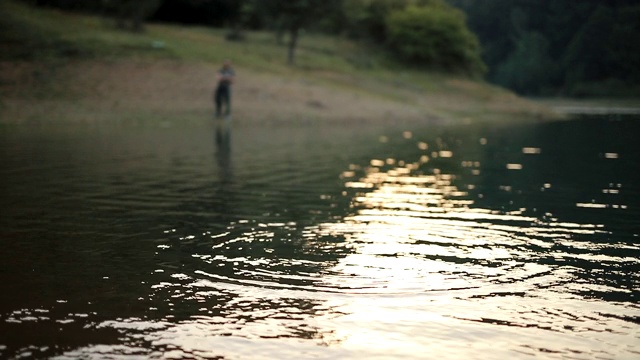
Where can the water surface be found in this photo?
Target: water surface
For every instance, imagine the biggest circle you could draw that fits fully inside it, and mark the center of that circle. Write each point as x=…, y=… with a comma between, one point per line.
x=312, y=241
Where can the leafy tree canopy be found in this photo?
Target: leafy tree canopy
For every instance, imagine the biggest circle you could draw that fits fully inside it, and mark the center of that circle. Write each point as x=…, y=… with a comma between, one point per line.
x=559, y=47
x=436, y=36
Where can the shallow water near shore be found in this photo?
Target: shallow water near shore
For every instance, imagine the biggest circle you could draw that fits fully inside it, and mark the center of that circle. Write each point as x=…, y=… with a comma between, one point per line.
x=321, y=241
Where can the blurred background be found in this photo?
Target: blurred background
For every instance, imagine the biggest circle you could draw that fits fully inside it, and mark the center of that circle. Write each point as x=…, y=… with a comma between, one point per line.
x=589, y=48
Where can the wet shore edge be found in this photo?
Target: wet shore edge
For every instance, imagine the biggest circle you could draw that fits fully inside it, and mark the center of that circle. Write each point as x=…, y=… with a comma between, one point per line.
x=601, y=107
x=159, y=91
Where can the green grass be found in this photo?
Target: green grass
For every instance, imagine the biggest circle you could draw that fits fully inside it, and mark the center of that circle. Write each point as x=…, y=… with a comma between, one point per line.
x=54, y=38
x=44, y=34
x=48, y=35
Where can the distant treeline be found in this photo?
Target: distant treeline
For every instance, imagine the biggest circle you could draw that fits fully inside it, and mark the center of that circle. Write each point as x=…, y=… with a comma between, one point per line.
x=559, y=47
x=535, y=47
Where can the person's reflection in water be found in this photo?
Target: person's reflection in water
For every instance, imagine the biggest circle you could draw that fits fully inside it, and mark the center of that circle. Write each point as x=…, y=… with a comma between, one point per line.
x=223, y=195
x=223, y=149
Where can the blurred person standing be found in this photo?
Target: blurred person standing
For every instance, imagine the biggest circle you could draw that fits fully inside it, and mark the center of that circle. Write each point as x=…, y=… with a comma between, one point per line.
x=225, y=77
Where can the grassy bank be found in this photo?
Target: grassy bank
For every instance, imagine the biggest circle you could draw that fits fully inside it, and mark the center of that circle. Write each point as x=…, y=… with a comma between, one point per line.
x=62, y=67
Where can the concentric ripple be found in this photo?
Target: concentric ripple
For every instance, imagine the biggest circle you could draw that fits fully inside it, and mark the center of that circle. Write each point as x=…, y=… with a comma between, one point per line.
x=447, y=242
x=415, y=250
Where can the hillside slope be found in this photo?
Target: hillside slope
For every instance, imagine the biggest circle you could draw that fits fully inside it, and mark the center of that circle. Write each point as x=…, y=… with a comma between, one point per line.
x=61, y=67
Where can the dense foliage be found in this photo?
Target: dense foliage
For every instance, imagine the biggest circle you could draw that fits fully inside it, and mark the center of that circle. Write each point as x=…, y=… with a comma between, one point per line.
x=566, y=47
x=435, y=36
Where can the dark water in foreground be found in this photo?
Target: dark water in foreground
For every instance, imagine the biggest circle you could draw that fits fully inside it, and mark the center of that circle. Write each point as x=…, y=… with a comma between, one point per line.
x=318, y=242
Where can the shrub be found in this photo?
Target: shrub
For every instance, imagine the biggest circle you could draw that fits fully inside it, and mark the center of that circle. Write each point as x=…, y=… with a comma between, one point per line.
x=434, y=36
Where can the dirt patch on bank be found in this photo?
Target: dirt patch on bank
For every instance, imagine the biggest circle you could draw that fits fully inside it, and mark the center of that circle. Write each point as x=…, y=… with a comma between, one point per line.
x=98, y=91
x=90, y=91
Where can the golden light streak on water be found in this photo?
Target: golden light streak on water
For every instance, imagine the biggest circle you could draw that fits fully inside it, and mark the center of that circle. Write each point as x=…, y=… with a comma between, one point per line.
x=406, y=226
x=430, y=246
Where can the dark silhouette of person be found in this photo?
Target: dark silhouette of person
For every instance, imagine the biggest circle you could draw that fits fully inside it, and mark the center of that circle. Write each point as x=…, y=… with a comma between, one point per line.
x=222, y=97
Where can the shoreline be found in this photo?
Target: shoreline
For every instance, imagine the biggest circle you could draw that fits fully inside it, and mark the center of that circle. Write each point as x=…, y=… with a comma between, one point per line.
x=118, y=77
x=87, y=91
x=596, y=106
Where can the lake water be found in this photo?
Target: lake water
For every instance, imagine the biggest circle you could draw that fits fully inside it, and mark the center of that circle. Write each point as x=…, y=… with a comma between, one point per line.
x=321, y=242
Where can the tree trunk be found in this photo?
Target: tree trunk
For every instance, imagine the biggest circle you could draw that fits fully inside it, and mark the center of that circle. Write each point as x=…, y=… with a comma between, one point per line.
x=137, y=19
x=279, y=30
x=131, y=14
x=293, y=42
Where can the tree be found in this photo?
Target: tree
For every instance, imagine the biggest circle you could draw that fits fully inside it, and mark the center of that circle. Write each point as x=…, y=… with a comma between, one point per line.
x=215, y=13
x=366, y=19
x=436, y=36
x=291, y=16
x=567, y=47
x=128, y=14
x=625, y=44
x=131, y=14
x=529, y=68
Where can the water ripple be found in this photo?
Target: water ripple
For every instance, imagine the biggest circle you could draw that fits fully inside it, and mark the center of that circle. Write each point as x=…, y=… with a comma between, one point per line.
x=285, y=247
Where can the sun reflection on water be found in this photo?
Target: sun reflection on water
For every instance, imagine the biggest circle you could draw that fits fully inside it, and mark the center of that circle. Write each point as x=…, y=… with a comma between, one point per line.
x=419, y=239
x=422, y=269
x=414, y=264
